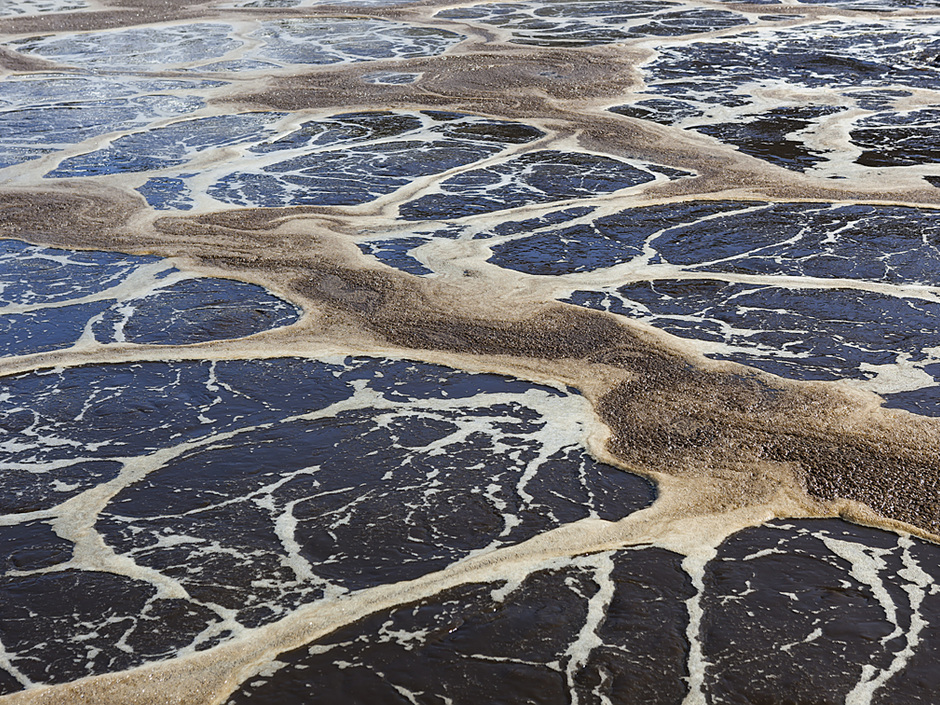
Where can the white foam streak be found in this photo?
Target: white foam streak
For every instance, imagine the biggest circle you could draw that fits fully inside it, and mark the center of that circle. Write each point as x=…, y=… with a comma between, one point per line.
x=866, y=565
x=142, y=281
x=579, y=651
x=694, y=565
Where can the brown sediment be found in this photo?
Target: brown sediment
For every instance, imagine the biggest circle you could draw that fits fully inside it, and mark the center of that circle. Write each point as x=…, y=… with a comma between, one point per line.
x=676, y=416
x=512, y=84
x=680, y=419
x=98, y=20
x=670, y=412
x=512, y=81
x=62, y=215
x=729, y=446
x=11, y=61
x=116, y=14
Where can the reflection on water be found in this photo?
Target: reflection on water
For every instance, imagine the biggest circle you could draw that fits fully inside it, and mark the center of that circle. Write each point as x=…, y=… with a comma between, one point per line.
x=43, y=114
x=20, y=8
x=588, y=22
x=284, y=42
x=609, y=625
x=335, y=476
x=54, y=299
x=311, y=311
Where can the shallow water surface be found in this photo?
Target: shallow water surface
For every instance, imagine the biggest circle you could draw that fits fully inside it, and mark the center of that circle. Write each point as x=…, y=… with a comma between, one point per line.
x=555, y=351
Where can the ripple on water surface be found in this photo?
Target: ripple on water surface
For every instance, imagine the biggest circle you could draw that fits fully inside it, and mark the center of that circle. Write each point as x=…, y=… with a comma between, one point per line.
x=200, y=45
x=810, y=291
x=51, y=299
x=21, y=8
x=282, y=481
x=830, y=610
x=807, y=291
x=537, y=177
x=44, y=113
x=826, y=608
x=565, y=23
x=720, y=88
x=345, y=159
x=608, y=627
